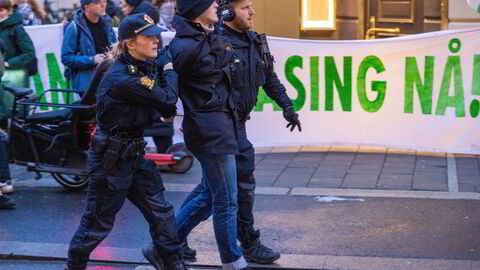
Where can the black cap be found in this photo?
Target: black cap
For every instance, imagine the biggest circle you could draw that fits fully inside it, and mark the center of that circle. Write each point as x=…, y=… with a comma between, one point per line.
x=191, y=9
x=137, y=24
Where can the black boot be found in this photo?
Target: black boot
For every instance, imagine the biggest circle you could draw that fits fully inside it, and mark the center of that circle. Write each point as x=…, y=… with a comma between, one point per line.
x=6, y=203
x=174, y=262
x=255, y=251
x=188, y=252
x=150, y=253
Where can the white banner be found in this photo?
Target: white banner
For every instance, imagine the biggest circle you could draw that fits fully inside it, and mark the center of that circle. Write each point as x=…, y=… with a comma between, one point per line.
x=419, y=92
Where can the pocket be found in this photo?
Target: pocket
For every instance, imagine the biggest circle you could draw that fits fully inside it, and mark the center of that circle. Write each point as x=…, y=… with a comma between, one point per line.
x=117, y=183
x=121, y=176
x=260, y=76
x=238, y=74
x=149, y=178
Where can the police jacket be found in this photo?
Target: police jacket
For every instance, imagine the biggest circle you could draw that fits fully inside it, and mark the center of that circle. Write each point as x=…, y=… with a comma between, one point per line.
x=202, y=62
x=251, y=72
x=129, y=94
x=78, y=47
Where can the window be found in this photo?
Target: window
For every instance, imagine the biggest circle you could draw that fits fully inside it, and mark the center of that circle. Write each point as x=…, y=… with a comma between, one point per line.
x=318, y=15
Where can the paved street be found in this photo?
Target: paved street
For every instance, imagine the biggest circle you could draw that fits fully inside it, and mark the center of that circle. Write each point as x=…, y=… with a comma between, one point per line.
x=381, y=226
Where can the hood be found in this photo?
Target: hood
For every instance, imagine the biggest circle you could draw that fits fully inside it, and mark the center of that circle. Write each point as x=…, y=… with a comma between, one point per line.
x=14, y=19
x=149, y=9
x=186, y=28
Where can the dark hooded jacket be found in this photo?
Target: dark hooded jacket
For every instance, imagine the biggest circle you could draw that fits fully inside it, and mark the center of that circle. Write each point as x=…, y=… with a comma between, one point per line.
x=203, y=63
x=19, y=49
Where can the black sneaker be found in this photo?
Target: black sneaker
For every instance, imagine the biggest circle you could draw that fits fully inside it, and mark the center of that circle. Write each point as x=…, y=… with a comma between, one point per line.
x=152, y=257
x=188, y=252
x=259, y=253
x=6, y=203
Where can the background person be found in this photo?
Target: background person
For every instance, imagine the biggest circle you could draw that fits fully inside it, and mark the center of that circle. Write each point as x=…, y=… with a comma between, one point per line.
x=31, y=11
x=86, y=40
x=19, y=49
x=166, y=9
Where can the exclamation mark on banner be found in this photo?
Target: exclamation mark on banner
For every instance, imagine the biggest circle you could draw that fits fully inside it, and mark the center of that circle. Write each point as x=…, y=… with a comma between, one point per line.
x=475, y=105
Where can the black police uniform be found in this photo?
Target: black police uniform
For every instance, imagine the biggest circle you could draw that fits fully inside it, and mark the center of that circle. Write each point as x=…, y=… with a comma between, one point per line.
x=251, y=72
x=126, y=99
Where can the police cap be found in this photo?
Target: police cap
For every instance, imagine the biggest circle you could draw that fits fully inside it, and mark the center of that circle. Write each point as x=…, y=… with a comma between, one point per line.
x=137, y=24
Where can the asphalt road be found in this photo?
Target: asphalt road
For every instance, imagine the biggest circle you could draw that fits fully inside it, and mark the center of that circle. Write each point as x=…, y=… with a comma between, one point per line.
x=375, y=227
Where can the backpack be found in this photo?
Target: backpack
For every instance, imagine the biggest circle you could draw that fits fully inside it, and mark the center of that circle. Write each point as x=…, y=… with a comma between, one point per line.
x=32, y=66
x=67, y=71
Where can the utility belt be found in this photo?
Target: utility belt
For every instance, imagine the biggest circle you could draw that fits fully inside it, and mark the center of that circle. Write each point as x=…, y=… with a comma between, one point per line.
x=117, y=147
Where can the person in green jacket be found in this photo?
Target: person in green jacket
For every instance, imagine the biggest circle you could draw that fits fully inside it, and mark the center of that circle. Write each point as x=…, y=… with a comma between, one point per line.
x=19, y=49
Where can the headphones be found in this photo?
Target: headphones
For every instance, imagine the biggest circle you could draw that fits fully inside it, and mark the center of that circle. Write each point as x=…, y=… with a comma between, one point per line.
x=225, y=11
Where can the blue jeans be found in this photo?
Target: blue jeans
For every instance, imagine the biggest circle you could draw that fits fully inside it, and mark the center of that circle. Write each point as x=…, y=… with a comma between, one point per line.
x=245, y=165
x=4, y=169
x=216, y=193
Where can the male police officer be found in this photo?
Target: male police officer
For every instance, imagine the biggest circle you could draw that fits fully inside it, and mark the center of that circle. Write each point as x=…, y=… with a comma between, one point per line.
x=254, y=68
x=126, y=98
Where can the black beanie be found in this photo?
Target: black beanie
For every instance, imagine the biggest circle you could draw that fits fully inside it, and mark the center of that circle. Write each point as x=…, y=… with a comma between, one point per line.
x=191, y=9
x=133, y=3
x=149, y=9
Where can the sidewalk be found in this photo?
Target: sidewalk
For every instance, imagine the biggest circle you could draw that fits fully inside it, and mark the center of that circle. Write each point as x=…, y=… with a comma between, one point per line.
x=347, y=168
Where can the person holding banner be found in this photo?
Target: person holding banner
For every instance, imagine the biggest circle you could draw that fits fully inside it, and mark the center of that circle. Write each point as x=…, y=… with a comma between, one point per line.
x=255, y=69
x=86, y=40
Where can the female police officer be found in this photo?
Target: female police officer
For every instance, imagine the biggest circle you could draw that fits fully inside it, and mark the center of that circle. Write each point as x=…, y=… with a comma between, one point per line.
x=126, y=99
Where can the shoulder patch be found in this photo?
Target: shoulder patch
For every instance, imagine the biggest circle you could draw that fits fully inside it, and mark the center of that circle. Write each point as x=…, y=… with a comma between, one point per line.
x=147, y=82
x=132, y=70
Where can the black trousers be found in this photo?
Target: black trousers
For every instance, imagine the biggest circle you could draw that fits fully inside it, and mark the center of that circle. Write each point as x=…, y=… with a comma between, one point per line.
x=245, y=183
x=134, y=179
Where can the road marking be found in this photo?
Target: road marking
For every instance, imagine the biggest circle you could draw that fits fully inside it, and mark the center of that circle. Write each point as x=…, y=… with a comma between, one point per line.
x=375, y=193
x=452, y=173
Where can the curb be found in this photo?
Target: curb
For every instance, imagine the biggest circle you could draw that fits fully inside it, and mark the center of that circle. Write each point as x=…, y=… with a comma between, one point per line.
x=56, y=252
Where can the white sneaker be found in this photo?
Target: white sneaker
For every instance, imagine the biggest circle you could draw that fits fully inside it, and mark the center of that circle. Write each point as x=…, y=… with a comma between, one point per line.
x=6, y=188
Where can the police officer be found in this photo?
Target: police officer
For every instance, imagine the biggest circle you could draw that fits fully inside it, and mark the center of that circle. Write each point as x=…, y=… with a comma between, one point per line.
x=126, y=99
x=254, y=68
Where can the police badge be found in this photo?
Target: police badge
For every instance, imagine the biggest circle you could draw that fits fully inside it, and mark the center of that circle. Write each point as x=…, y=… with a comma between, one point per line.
x=147, y=82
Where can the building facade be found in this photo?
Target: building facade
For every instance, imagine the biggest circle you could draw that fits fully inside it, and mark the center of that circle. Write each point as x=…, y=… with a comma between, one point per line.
x=360, y=19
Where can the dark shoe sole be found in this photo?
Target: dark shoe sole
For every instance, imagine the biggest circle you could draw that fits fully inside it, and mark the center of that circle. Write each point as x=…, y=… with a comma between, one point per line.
x=189, y=258
x=260, y=261
x=151, y=260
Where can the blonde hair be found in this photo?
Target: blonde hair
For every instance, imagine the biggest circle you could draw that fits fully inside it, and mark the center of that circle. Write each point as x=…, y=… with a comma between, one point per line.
x=119, y=48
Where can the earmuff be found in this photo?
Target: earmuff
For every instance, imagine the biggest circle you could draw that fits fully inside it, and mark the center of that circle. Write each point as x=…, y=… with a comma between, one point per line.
x=225, y=10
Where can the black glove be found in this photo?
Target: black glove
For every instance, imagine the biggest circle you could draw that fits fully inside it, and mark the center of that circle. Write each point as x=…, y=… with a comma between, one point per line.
x=292, y=118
